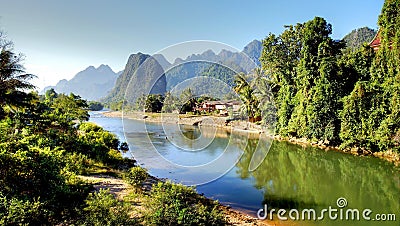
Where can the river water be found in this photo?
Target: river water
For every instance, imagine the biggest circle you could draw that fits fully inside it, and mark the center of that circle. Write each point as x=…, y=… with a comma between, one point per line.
x=288, y=176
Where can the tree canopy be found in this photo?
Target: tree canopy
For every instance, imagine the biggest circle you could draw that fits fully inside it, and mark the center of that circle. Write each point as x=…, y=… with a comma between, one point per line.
x=323, y=92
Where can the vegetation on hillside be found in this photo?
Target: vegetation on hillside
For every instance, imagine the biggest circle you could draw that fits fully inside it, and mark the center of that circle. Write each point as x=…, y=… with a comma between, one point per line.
x=142, y=75
x=358, y=37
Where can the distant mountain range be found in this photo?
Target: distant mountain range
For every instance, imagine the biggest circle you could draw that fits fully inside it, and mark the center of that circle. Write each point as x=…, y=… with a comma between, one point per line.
x=91, y=83
x=144, y=74
x=104, y=84
x=222, y=66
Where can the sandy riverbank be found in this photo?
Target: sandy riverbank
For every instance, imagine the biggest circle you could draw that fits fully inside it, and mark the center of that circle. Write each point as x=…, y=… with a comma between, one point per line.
x=214, y=121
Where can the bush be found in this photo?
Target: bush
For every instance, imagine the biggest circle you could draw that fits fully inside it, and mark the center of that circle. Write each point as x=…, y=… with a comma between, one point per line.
x=20, y=212
x=34, y=171
x=103, y=209
x=176, y=204
x=95, y=106
x=76, y=163
x=136, y=176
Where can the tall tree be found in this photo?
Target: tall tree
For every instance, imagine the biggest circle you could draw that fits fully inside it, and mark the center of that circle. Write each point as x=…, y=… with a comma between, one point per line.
x=303, y=70
x=13, y=79
x=279, y=60
x=375, y=104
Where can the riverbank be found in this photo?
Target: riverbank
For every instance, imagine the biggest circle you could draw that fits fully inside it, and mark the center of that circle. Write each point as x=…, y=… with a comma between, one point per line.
x=127, y=194
x=220, y=122
x=169, y=118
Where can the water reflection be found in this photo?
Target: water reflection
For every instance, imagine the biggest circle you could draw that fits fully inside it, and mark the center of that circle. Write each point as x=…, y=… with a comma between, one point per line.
x=292, y=177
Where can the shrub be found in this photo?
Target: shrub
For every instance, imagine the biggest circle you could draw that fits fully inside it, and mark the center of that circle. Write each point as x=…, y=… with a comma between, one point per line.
x=76, y=163
x=103, y=209
x=136, y=176
x=176, y=204
x=20, y=212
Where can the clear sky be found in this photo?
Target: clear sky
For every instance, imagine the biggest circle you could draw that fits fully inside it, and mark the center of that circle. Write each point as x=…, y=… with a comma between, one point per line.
x=60, y=38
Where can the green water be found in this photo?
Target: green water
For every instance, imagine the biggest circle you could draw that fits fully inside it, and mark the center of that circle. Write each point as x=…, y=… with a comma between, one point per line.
x=292, y=177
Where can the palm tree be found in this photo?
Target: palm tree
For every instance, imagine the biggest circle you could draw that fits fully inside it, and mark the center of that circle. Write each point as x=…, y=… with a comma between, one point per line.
x=13, y=79
x=246, y=93
x=264, y=95
x=261, y=87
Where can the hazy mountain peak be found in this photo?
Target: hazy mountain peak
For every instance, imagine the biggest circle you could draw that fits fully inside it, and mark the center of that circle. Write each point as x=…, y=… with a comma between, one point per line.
x=91, y=83
x=208, y=52
x=253, y=50
x=105, y=69
x=161, y=60
x=90, y=68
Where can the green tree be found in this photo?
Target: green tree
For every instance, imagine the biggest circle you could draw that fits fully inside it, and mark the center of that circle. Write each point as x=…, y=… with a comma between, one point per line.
x=187, y=100
x=154, y=103
x=247, y=93
x=279, y=59
x=13, y=79
x=314, y=115
x=69, y=108
x=95, y=106
x=375, y=104
x=170, y=103
x=304, y=78
x=51, y=94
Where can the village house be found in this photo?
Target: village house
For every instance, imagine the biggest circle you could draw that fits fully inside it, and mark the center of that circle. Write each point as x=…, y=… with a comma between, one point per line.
x=376, y=42
x=222, y=106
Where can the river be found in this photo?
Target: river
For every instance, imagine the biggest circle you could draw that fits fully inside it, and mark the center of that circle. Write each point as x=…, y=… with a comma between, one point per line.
x=290, y=177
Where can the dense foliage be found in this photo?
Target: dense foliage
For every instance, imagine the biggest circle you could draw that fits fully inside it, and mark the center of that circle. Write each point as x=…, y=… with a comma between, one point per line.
x=136, y=176
x=371, y=113
x=175, y=204
x=41, y=151
x=342, y=97
x=103, y=209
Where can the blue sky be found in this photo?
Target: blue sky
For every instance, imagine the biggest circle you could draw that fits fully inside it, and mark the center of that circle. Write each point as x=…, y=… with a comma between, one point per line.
x=61, y=38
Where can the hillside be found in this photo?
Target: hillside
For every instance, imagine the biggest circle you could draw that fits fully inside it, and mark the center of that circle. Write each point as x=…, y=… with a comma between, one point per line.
x=357, y=37
x=143, y=74
x=91, y=83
